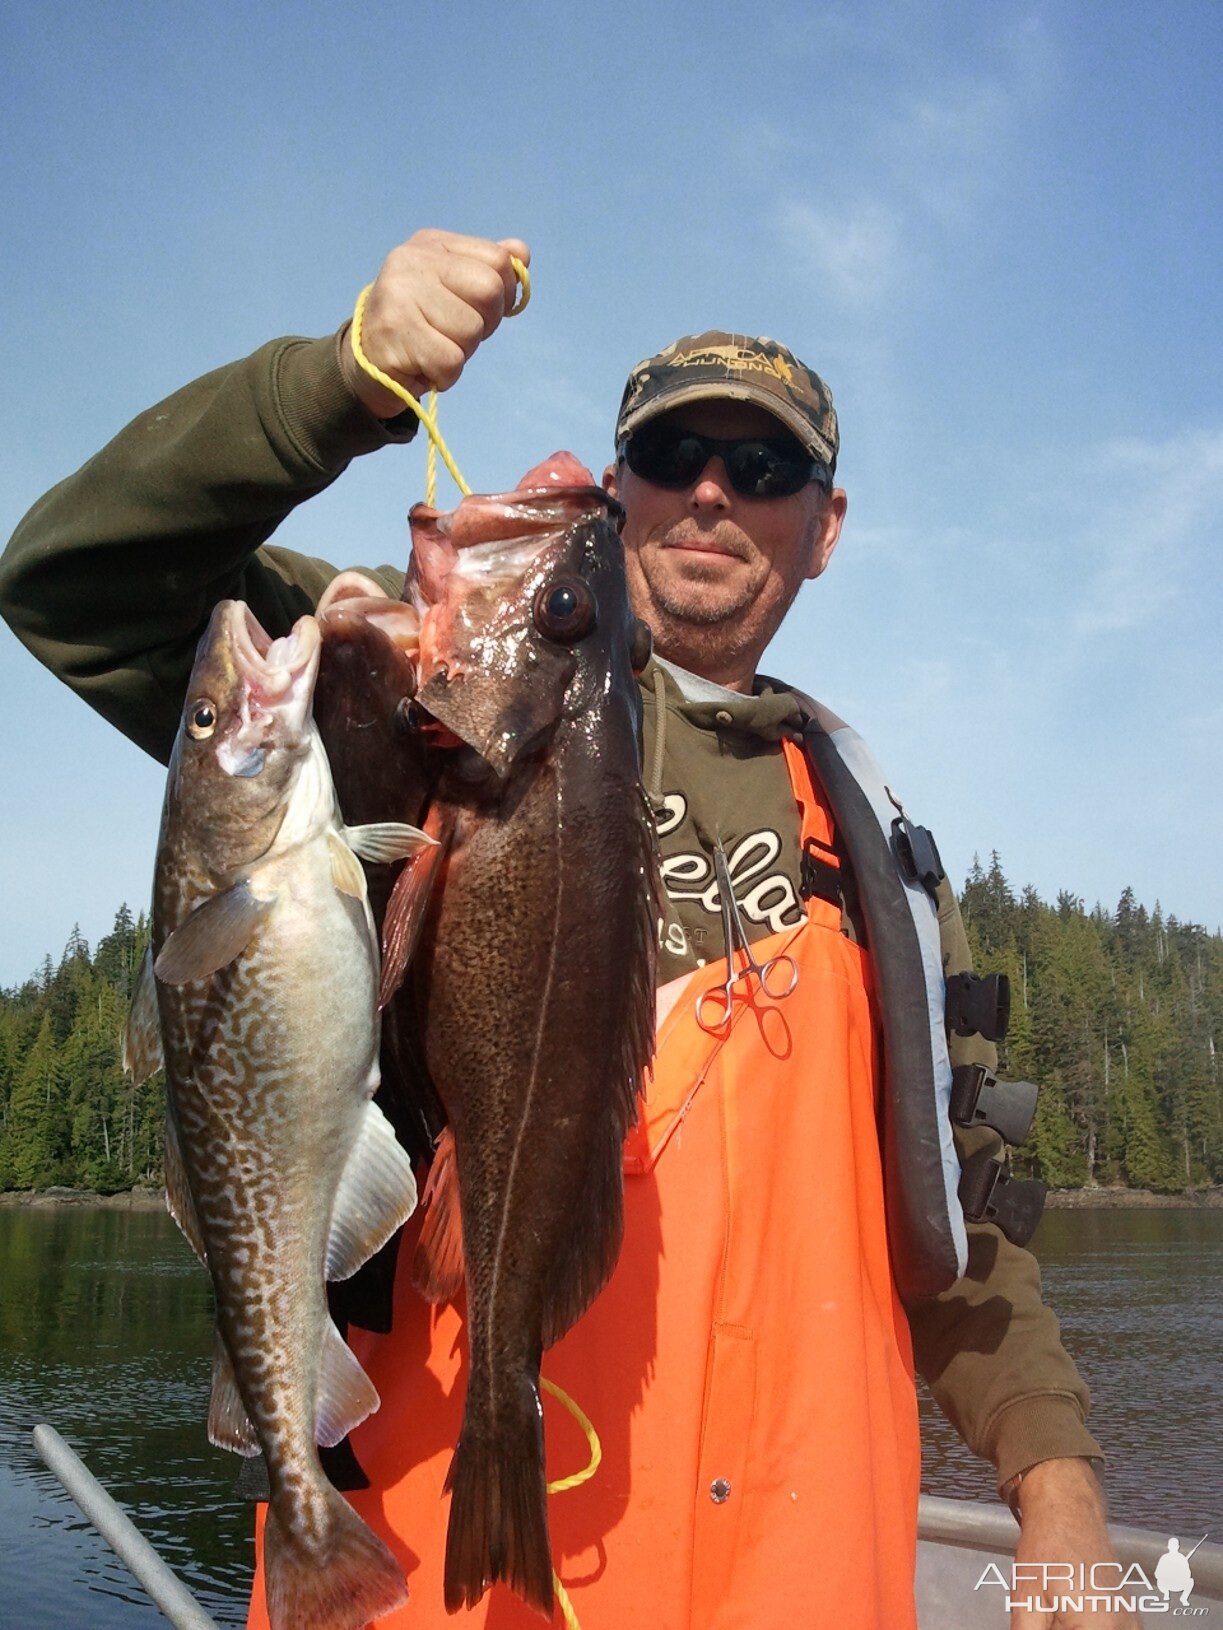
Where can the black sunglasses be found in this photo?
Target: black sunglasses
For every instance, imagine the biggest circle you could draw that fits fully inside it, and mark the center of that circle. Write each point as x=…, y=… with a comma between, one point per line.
x=756, y=466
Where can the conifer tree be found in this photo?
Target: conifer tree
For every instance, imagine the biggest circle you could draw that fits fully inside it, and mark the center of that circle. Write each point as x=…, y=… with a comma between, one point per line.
x=1118, y=1015
x=34, y=1136
x=116, y=959
x=95, y=1089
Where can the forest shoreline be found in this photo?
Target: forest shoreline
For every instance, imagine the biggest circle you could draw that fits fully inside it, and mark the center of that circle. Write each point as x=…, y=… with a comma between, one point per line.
x=1099, y=1197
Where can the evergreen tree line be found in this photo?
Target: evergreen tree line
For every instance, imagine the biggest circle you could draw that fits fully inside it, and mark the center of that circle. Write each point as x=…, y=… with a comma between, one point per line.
x=1116, y=1016
x=68, y=1114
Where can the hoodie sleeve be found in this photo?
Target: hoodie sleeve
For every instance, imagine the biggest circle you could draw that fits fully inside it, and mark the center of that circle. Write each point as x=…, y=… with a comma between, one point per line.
x=112, y=576
x=989, y=1348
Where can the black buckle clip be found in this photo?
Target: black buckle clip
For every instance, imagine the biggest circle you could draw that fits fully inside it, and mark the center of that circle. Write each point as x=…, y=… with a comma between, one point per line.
x=979, y=1005
x=818, y=878
x=978, y=1098
x=917, y=853
x=989, y=1193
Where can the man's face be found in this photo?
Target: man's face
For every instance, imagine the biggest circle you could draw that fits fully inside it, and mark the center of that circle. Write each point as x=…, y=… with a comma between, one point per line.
x=714, y=572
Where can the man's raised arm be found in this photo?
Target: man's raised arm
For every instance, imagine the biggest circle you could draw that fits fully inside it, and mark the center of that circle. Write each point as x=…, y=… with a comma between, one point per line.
x=111, y=577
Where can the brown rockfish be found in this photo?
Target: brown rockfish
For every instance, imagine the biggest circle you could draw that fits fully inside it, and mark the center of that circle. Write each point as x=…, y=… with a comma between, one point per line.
x=280, y=1170
x=536, y=972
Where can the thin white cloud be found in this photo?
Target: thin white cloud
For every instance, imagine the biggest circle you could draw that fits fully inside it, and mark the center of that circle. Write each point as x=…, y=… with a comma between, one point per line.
x=853, y=256
x=921, y=167
x=1161, y=503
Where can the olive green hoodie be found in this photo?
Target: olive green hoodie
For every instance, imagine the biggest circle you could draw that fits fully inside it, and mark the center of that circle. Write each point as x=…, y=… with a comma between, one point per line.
x=110, y=580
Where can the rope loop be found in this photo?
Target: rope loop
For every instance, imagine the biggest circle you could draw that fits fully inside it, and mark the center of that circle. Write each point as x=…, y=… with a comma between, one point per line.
x=578, y=1478
x=428, y=416
x=524, y=287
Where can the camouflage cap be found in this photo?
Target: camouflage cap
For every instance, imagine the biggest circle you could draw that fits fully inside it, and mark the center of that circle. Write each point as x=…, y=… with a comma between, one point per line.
x=717, y=366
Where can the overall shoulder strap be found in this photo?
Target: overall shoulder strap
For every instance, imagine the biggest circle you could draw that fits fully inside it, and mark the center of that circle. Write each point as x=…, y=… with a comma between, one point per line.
x=926, y=1232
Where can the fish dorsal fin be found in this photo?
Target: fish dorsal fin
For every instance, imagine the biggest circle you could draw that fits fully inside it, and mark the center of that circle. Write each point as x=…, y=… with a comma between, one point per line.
x=437, y=1269
x=387, y=840
x=142, y=1049
x=405, y=913
x=229, y=1425
x=179, y=1201
x=346, y=1395
x=346, y=872
x=376, y=1194
x=212, y=936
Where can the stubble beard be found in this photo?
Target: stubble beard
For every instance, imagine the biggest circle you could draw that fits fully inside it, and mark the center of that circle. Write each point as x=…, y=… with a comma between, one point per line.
x=701, y=605
x=701, y=625
x=695, y=592
x=699, y=621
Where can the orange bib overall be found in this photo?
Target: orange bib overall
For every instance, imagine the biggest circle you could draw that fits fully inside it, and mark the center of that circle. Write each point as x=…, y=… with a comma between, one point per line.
x=748, y=1366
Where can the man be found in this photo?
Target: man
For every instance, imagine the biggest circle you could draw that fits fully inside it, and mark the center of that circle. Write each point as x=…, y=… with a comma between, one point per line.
x=749, y=1366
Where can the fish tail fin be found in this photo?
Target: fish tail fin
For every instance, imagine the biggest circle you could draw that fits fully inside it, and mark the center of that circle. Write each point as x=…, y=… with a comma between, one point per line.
x=499, y=1510
x=352, y=1579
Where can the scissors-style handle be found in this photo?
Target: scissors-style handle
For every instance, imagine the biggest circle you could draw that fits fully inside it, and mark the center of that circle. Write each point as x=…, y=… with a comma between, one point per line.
x=713, y=1009
x=778, y=976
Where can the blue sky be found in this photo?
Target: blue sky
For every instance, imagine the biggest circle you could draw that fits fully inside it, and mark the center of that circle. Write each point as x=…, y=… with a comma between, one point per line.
x=994, y=229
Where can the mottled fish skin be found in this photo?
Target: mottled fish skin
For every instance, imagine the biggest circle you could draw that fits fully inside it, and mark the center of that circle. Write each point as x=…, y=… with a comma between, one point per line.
x=537, y=982
x=271, y=1064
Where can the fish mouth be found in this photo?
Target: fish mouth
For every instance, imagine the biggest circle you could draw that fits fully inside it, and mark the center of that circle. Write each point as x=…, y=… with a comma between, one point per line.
x=525, y=509
x=353, y=602
x=275, y=679
x=469, y=571
x=514, y=524
x=274, y=670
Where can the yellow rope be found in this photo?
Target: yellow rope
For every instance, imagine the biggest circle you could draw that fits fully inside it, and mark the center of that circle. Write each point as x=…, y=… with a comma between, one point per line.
x=566, y=1606
x=428, y=416
x=431, y=456
x=523, y=299
x=563, y=1483
x=592, y=1437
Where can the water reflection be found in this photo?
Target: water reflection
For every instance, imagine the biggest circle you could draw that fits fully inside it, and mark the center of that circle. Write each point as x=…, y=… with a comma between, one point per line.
x=1140, y=1299
x=105, y=1332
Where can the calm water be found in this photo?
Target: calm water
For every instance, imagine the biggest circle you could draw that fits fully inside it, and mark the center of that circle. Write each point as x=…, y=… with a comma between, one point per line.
x=1140, y=1299
x=105, y=1332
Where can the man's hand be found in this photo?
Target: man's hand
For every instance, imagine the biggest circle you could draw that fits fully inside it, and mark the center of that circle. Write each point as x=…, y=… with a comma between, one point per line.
x=437, y=296
x=1064, y=1521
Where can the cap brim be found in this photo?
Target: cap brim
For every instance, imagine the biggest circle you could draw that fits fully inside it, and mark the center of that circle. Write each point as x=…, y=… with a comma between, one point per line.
x=716, y=391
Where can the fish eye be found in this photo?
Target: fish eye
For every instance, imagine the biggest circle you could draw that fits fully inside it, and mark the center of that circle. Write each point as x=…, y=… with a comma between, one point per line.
x=202, y=720
x=565, y=610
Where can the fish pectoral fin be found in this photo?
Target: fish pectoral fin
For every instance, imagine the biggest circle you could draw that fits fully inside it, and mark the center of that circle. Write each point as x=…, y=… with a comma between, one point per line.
x=406, y=911
x=437, y=1269
x=212, y=936
x=346, y=1395
x=387, y=840
x=142, y=1049
x=179, y=1202
x=375, y=1196
x=229, y=1425
x=346, y=871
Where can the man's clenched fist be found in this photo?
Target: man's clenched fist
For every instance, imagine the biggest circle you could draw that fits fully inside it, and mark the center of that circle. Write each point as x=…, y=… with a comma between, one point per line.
x=436, y=297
